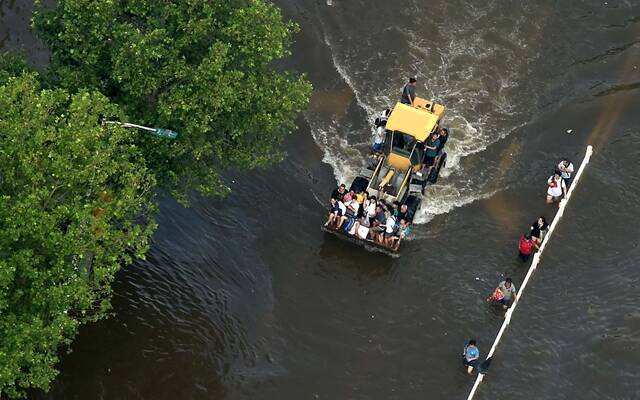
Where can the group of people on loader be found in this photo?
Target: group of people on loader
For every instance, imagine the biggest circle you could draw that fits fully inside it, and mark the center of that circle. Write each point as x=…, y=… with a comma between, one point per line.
x=368, y=218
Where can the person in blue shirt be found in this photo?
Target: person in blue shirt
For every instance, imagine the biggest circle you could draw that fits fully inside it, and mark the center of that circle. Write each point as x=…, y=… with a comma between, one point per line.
x=470, y=356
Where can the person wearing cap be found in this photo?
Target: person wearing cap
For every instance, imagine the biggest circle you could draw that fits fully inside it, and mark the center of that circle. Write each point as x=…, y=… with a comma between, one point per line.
x=557, y=188
x=409, y=92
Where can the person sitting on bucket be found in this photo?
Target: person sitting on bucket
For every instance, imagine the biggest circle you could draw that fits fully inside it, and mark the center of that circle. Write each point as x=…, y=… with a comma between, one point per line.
x=557, y=188
x=504, y=293
x=404, y=230
x=336, y=211
x=339, y=192
x=470, y=356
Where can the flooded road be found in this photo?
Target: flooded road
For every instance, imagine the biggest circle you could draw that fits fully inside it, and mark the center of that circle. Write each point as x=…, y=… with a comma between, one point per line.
x=245, y=298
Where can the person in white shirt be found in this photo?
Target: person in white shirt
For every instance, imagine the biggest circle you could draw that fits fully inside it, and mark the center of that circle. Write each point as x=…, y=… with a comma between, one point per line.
x=566, y=170
x=379, y=130
x=351, y=211
x=390, y=229
x=557, y=188
x=378, y=139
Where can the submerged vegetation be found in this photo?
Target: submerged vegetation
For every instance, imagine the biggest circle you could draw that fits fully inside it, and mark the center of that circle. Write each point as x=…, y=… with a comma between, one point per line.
x=77, y=199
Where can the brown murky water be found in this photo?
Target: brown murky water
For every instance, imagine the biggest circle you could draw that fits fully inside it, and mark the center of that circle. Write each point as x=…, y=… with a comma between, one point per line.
x=245, y=298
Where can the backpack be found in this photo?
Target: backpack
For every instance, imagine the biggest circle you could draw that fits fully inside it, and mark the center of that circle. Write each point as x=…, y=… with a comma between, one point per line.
x=525, y=246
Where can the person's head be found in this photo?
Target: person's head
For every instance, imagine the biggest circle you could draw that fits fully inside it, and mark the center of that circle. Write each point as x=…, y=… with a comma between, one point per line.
x=378, y=209
x=396, y=204
x=472, y=342
x=508, y=282
x=404, y=208
x=403, y=222
x=565, y=162
x=541, y=221
x=373, y=198
x=333, y=201
x=444, y=131
x=434, y=135
x=412, y=81
x=527, y=236
x=556, y=173
x=342, y=188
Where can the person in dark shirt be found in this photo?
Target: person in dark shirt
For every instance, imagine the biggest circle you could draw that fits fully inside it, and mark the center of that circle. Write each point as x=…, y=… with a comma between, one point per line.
x=339, y=192
x=378, y=224
x=409, y=92
x=539, y=229
x=403, y=213
x=431, y=147
x=444, y=136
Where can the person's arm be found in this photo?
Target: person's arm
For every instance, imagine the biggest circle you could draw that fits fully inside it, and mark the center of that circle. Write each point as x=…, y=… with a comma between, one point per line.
x=564, y=188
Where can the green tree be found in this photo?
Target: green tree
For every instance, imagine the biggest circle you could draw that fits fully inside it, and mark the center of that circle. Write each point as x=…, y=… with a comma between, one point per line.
x=203, y=68
x=76, y=203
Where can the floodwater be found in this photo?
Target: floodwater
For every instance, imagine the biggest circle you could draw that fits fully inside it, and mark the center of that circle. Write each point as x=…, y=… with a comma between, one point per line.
x=245, y=298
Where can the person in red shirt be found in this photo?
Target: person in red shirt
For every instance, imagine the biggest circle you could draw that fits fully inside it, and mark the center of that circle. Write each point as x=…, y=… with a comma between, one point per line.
x=526, y=246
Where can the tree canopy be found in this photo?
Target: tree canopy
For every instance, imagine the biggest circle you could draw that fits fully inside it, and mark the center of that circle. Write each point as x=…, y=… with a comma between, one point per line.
x=76, y=201
x=202, y=68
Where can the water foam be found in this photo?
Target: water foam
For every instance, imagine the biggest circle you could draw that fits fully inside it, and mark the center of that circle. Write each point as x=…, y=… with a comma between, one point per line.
x=476, y=95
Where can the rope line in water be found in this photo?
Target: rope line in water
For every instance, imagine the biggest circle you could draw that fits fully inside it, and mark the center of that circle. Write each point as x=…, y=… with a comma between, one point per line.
x=532, y=268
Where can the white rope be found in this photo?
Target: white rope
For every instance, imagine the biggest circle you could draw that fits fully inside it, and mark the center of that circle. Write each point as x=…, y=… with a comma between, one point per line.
x=534, y=265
